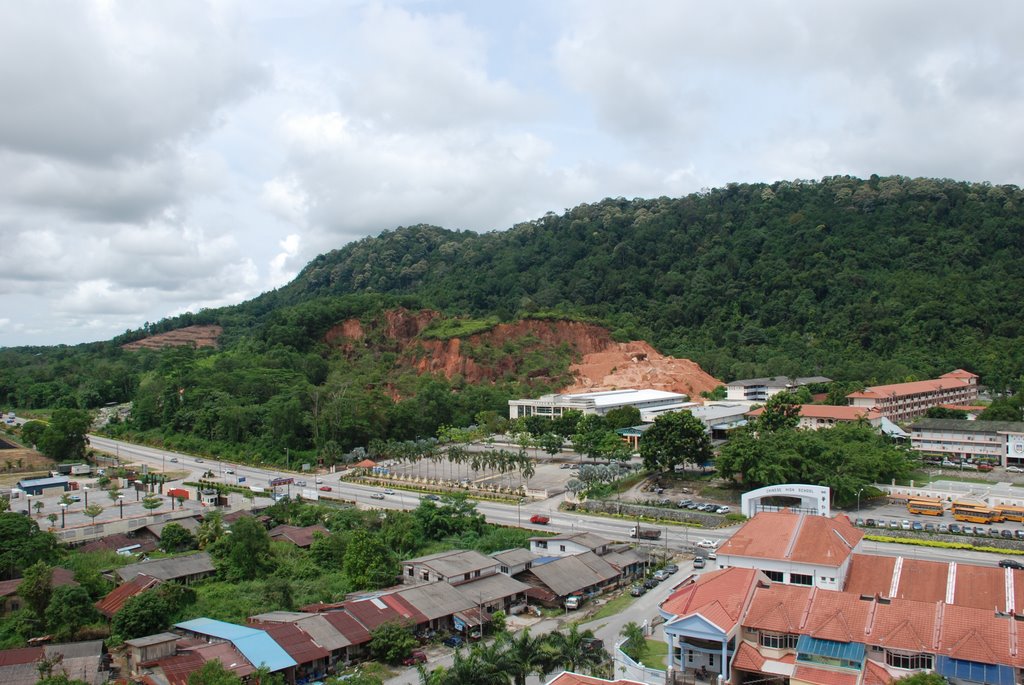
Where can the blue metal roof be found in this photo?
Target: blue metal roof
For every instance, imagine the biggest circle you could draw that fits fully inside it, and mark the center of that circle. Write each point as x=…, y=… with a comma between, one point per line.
x=43, y=482
x=255, y=645
x=958, y=669
x=848, y=651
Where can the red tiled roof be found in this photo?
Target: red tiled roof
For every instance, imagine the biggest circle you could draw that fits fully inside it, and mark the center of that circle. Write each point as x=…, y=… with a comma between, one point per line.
x=829, y=411
x=875, y=674
x=821, y=676
x=345, y=624
x=748, y=658
x=112, y=603
x=945, y=382
x=800, y=538
x=778, y=608
x=719, y=596
x=567, y=678
x=365, y=464
x=298, y=645
x=21, y=655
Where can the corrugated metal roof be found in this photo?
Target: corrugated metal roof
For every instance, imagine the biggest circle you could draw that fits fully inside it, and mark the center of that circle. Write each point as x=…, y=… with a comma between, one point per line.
x=256, y=645
x=958, y=669
x=43, y=482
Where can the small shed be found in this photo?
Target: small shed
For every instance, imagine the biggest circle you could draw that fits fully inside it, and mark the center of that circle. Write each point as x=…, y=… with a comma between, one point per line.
x=150, y=648
x=39, y=486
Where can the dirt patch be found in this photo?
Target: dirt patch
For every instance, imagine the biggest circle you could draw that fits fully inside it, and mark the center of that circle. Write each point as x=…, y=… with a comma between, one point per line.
x=199, y=336
x=638, y=365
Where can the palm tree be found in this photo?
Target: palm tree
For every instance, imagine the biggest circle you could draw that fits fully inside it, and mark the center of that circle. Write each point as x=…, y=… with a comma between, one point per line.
x=523, y=655
x=482, y=665
x=572, y=650
x=635, y=643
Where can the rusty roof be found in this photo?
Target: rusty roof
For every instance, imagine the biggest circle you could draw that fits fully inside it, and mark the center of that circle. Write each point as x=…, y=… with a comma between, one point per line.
x=297, y=643
x=112, y=603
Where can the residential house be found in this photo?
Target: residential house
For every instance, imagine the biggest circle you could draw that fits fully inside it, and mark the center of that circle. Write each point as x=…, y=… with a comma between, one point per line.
x=85, y=661
x=255, y=645
x=569, y=544
x=453, y=567
x=10, y=599
x=799, y=549
x=513, y=561
x=185, y=569
x=116, y=598
x=560, y=577
x=150, y=648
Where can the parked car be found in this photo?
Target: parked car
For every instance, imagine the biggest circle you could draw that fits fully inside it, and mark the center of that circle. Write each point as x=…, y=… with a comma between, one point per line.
x=388, y=491
x=929, y=527
x=893, y=523
x=325, y=488
x=637, y=590
x=859, y=522
x=683, y=503
x=664, y=501
x=377, y=495
x=870, y=522
x=651, y=583
x=723, y=510
x=416, y=657
x=1014, y=469
x=199, y=461
x=1011, y=563
x=905, y=525
x=955, y=528
x=943, y=528
x=319, y=480
x=1019, y=534
x=1006, y=533
x=699, y=562
x=174, y=460
x=984, y=468
x=917, y=525
x=661, y=574
x=671, y=568
x=229, y=471
x=453, y=641
x=573, y=602
x=74, y=498
x=432, y=497
x=707, y=544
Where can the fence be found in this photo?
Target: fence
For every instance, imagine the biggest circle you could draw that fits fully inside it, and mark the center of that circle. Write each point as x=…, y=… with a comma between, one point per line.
x=626, y=668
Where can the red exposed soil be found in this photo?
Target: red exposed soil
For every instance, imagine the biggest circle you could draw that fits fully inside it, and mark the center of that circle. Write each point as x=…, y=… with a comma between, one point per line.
x=605, y=364
x=200, y=336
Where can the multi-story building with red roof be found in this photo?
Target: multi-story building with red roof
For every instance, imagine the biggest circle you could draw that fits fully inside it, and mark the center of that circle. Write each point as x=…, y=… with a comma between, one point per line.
x=894, y=617
x=906, y=401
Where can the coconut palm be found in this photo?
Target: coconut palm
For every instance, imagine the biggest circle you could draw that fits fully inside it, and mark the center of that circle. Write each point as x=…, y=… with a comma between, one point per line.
x=572, y=650
x=523, y=655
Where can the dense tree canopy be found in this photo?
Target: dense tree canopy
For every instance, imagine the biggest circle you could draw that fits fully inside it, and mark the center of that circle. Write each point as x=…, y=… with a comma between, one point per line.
x=676, y=438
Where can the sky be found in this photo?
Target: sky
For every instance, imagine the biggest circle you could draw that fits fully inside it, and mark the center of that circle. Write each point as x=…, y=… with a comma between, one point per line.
x=162, y=157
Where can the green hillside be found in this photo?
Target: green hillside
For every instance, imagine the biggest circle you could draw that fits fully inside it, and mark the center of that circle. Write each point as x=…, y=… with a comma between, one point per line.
x=873, y=280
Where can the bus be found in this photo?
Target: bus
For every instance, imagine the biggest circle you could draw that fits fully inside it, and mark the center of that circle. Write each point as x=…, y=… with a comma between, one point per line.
x=930, y=506
x=1009, y=513
x=974, y=513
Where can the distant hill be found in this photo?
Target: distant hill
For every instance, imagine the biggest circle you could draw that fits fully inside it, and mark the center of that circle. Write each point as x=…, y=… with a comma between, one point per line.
x=878, y=279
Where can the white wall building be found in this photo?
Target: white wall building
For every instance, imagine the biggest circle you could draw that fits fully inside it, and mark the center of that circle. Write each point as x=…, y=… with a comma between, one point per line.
x=760, y=389
x=600, y=403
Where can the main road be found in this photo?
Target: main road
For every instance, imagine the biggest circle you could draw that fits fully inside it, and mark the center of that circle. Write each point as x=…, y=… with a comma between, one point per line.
x=674, y=538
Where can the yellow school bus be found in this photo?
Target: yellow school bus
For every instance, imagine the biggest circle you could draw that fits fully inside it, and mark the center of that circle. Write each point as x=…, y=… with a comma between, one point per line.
x=1008, y=513
x=930, y=506
x=974, y=513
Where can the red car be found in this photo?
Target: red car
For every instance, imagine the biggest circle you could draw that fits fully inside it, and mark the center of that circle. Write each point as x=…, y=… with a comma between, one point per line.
x=325, y=488
x=538, y=518
x=415, y=658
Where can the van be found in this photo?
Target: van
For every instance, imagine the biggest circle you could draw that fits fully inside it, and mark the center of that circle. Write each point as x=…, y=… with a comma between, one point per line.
x=573, y=602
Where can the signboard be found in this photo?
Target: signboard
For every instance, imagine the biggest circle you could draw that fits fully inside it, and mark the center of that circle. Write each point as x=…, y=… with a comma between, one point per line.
x=256, y=488
x=275, y=482
x=310, y=494
x=241, y=479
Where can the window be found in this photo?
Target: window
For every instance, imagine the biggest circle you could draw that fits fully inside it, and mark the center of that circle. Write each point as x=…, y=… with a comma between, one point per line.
x=543, y=544
x=411, y=572
x=561, y=548
x=908, y=660
x=776, y=576
x=504, y=569
x=426, y=575
x=465, y=576
x=476, y=574
x=801, y=579
x=779, y=640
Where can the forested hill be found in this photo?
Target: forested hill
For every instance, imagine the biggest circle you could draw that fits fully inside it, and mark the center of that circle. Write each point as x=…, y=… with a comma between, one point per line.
x=877, y=279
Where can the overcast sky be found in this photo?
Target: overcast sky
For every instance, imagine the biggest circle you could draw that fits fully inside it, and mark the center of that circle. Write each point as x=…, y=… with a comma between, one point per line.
x=160, y=157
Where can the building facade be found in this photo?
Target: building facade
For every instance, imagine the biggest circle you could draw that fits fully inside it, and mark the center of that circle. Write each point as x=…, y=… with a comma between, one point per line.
x=907, y=401
x=760, y=389
x=600, y=403
x=987, y=442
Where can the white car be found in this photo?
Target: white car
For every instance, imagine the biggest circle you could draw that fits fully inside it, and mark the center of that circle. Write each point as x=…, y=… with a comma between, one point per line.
x=1014, y=469
x=377, y=495
x=319, y=480
x=229, y=471
x=707, y=544
x=389, y=491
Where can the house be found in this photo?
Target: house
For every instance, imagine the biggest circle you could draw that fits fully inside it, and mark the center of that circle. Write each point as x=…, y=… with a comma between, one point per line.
x=336, y=631
x=599, y=403
x=140, y=542
x=906, y=401
x=493, y=593
x=579, y=574
x=85, y=661
x=150, y=648
x=186, y=569
x=255, y=645
x=454, y=567
x=312, y=660
x=818, y=416
x=569, y=544
x=761, y=389
x=794, y=548
x=116, y=598
x=435, y=603
x=568, y=678
x=513, y=561
x=989, y=442
x=44, y=486
x=11, y=601
x=297, y=535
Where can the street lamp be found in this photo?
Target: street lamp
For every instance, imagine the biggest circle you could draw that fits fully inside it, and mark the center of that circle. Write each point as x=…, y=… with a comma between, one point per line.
x=120, y=501
x=858, y=499
x=29, y=498
x=63, y=509
x=85, y=491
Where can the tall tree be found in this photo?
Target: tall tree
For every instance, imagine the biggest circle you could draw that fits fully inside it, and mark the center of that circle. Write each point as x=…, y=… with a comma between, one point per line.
x=64, y=437
x=70, y=609
x=674, y=439
x=246, y=551
x=36, y=588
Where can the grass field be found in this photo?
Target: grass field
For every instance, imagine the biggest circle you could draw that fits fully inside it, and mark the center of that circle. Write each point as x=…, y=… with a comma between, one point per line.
x=655, y=655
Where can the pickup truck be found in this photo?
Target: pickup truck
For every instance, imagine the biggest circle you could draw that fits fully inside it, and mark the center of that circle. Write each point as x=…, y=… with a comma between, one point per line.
x=539, y=518
x=645, y=533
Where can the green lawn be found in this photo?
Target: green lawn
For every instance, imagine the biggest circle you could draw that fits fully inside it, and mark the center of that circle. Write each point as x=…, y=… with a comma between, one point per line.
x=613, y=606
x=655, y=654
